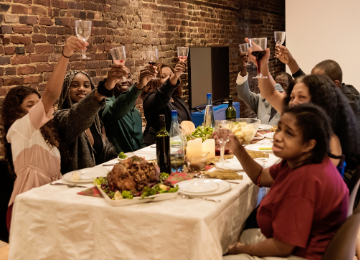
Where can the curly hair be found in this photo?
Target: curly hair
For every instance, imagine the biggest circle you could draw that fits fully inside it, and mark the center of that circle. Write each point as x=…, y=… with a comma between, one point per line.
x=11, y=111
x=325, y=94
x=153, y=85
x=315, y=125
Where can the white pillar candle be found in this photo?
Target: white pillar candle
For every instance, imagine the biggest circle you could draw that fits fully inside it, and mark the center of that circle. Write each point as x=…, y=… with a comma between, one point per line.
x=194, y=148
x=208, y=146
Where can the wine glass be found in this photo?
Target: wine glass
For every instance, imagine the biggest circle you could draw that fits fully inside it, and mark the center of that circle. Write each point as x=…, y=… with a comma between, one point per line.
x=83, y=32
x=259, y=46
x=119, y=56
x=152, y=57
x=183, y=53
x=279, y=37
x=243, y=49
x=222, y=127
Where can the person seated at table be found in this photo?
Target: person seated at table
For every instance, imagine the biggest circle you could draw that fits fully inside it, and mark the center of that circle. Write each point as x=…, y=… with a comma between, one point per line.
x=122, y=120
x=29, y=137
x=307, y=202
x=264, y=111
x=328, y=67
x=320, y=90
x=162, y=96
x=82, y=138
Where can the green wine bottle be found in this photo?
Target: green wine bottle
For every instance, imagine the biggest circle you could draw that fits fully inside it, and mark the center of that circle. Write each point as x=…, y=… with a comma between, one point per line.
x=230, y=111
x=163, y=147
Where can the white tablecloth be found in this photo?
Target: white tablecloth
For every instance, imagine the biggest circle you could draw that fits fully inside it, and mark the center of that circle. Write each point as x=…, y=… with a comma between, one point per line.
x=54, y=222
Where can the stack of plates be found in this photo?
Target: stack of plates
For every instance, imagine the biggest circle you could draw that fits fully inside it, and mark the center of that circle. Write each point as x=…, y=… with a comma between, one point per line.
x=201, y=187
x=87, y=174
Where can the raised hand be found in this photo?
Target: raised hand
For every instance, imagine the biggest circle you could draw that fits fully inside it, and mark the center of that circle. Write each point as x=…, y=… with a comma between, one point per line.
x=115, y=74
x=73, y=44
x=243, y=59
x=283, y=54
x=146, y=74
x=179, y=68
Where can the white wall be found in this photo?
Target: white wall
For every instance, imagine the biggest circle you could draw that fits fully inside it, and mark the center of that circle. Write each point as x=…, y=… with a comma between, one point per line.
x=317, y=30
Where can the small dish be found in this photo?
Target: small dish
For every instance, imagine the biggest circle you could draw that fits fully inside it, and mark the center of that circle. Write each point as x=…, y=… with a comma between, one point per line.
x=198, y=186
x=196, y=163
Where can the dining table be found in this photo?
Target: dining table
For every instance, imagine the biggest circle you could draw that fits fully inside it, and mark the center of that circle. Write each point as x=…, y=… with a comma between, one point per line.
x=55, y=222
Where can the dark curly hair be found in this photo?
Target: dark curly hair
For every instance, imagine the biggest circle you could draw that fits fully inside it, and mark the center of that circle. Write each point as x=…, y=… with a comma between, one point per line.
x=315, y=125
x=11, y=111
x=325, y=94
x=153, y=85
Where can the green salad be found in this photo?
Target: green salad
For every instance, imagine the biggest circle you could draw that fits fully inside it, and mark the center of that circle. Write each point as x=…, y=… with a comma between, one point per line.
x=122, y=155
x=203, y=132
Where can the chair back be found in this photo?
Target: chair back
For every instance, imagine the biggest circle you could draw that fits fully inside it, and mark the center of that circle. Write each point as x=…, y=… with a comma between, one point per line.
x=353, y=186
x=342, y=246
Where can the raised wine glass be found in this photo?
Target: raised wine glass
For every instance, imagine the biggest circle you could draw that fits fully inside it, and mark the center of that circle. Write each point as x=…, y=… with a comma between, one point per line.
x=152, y=57
x=221, y=127
x=279, y=37
x=119, y=56
x=183, y=53
x=243, y=49
x=83, y=32
x=259, y=46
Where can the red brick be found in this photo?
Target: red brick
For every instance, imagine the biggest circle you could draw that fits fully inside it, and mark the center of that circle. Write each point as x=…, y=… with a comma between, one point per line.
x=1, y=49
x=101, y=56
x=6, y=29
x=42, y=2
x=23, y=1
x=63, y=5
x=3, y=90
x=20, y=60
x=9, y=50
x=29, y=48
x=25, y=70
x=105, y=63
x=39, y=58
x=44, y=48
x=13, y=81
x=45, y=21
x=63, y=21
x=38, y=38
x=41, y=86
x=19, y=9
x=20, y=39
x=1, y=71
x=28, y=19
x=78, y=65
x=38, y=10
x=32, y=79
x=10, y=18
x=22, y=29
x=146, y=27
x=10, y=71
x=44, y=67
x=92, y=64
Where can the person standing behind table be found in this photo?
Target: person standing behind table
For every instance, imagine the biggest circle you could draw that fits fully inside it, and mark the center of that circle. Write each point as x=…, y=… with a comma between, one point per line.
x=29, y=136
x=162, y=96
x=122, y=121
x=328, y=67
x=257, y=103
x=83, y=142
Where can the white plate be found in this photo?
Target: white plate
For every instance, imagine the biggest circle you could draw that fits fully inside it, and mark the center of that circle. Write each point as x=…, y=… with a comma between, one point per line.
x=235, y=165
x=87, y=174
x=198, y=186
x=269, y=135
x=256, y=147
x=224, y=186
x=136, y=200
x=264, y=127
x=258, y=137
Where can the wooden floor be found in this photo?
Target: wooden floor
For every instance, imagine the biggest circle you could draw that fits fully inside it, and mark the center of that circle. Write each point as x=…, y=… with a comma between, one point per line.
x=4, y=250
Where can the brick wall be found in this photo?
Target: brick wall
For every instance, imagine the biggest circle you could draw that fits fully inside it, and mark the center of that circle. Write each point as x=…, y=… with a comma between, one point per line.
x=33, y=32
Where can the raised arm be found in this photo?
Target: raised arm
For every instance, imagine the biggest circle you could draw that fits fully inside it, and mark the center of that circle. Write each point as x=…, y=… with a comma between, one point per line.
x=54, y=85
x=267, y=85
x=284, y=55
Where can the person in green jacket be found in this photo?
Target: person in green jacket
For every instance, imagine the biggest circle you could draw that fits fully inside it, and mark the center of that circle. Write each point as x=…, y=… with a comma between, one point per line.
x=122, y=120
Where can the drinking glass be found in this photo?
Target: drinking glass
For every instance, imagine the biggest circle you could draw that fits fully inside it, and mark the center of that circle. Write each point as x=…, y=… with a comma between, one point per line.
x=222, y=127
x=152, y=57
x=259, y=46
x=279, y=37
x=119, y=56
x=243, y=49
x=83, y=32
x=183, y=53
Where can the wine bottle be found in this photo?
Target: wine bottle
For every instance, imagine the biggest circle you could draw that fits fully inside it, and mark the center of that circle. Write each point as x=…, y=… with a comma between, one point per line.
x=176, y=144
x=163, y=147
x=230, y=111
x=209, y=119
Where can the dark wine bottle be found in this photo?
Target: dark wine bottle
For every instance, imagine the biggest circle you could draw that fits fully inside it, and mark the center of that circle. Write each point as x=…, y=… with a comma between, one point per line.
x=163, y=147
x=230, y=111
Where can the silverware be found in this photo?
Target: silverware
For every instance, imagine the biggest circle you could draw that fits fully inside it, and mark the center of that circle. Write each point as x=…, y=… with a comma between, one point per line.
x=69, y=185
x=110, y=164
x=189, y=197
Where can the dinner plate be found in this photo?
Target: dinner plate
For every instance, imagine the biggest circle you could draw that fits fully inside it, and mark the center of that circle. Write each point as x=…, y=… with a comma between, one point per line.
x=264, y=127
x=224, y=186
x=269, y=135
x=87, y=174
x=257, y=148
x=198, y=186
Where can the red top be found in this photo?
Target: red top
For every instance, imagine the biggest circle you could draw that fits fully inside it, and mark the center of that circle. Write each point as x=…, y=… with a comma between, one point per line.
x=304, y=207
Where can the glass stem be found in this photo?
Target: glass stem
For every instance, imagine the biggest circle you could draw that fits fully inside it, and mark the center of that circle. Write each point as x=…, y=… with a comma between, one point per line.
x=222, y=152
x=83, y=54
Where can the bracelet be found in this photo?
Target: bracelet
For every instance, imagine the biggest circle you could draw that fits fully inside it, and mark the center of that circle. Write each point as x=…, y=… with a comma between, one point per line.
x=62, y=52
x=258, y=180
x=102, y=90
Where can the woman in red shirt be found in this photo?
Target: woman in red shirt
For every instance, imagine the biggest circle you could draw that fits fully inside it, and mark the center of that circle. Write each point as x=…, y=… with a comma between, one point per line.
x=308, y=200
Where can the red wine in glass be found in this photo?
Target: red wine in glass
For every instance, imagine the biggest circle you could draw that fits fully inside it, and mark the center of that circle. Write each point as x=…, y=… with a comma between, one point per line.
x=182, y=58
x=258, y=55
x=152, y=63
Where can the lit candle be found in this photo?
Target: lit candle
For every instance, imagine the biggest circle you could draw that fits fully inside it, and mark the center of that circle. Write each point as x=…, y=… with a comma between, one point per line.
x=194, y=148
x=208, y=146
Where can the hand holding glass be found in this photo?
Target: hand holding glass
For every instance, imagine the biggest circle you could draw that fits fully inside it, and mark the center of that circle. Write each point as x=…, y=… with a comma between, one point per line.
x=183, y=53
x=119, y=56
x=259, y=46
x=244, y=49
x=152, y=57
x=279, y=37
x=83, y=32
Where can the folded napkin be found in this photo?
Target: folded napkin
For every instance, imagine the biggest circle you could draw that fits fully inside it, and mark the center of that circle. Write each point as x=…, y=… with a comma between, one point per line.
x=257, y=154
x=92, y=192
x=217, y=159
x=224, y=175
